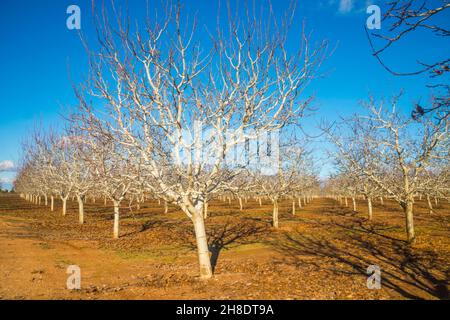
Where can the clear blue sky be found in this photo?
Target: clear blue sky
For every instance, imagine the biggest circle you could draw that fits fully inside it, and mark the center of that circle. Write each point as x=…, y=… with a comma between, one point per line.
x=37, y=49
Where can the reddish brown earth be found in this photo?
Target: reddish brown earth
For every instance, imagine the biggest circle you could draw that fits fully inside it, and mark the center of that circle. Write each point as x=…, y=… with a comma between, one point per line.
x=320, y=253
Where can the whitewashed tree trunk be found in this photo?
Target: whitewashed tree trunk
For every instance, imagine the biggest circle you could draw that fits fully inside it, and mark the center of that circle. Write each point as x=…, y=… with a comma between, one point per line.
x=64, y=205
x=369, y=207
x=52, y=203
x=240, y=203
x=205, y=210
x=80, y=209
x=293, y=207
x=430, y=206
x=116, y=219
x=202, y=245
x=275, y=214
x=354, y=203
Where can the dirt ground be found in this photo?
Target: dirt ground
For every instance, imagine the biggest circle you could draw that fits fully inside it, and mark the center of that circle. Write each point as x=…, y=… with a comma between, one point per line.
x=320, y=253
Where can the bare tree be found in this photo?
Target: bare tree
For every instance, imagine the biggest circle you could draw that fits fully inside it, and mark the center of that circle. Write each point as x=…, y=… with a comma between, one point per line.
x=392, y=151
x=435, y=184
x=289, y=176
x=160, y=86
x=113, y=171
x=352, y=183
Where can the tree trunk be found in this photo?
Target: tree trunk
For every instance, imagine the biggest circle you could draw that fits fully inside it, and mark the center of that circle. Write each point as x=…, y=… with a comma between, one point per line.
x=80, y=209
x=381, y=201
x=166, y=207
x=430, y=206
x=205, y=210
x=410, y=222
x=46, y=200
x=293, y=207
x=240, y=204
x=64, y=206
x=299, y=202
x=260, y=202
x=52, y=203
x=275, y=214
x=104, y=201
x=346, y=202
x=354, y=203
x=116, y=220
x=202, y=245
x=369, y=207
x=408, y=208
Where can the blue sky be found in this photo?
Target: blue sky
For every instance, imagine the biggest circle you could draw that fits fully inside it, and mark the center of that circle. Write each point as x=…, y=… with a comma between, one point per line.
x=38, y=50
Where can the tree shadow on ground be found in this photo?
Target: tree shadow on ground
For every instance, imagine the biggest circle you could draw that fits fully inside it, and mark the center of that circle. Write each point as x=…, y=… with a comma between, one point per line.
x=413, y=273
x=228, y=234
x=151, y=224
x=337, y=211
x=224, y=236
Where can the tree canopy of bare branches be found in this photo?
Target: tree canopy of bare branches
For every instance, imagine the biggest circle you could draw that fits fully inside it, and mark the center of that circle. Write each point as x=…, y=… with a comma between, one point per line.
x=392, y=151
x=410, y=16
